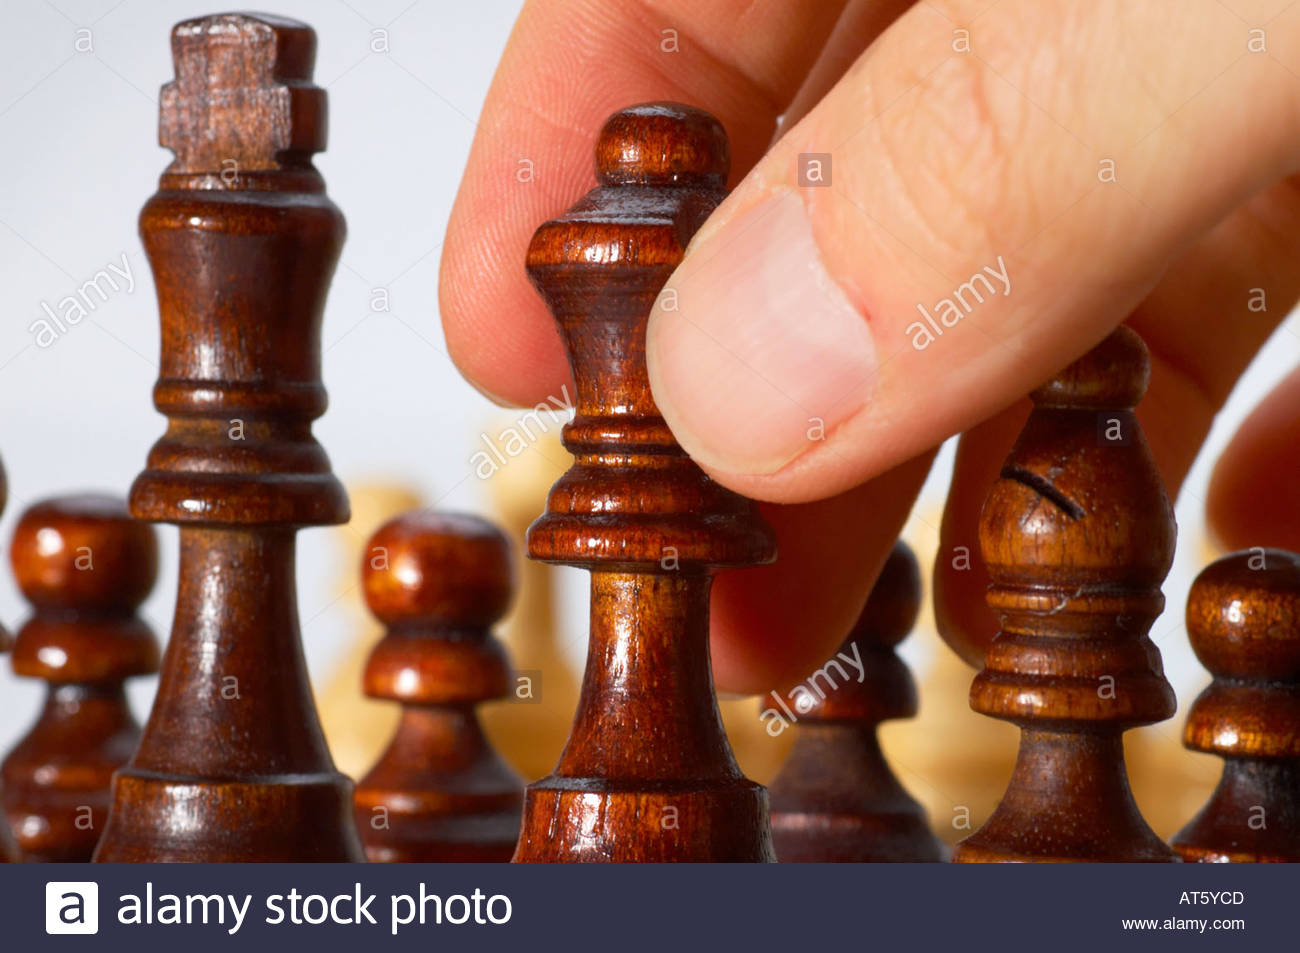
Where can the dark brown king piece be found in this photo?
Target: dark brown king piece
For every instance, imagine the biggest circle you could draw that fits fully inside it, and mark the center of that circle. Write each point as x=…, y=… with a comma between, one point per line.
x=438, y=582
x=85, y=566
x=242, y=241
x=1243, y=616
x=836, y=799
x=647, y=774
x=1078, y=535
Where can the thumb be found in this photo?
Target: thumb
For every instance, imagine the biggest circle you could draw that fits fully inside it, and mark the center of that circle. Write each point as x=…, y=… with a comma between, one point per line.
x=969, y=209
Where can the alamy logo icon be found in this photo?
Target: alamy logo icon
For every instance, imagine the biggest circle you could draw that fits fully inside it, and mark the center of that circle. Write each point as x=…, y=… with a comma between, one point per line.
x=71, y=906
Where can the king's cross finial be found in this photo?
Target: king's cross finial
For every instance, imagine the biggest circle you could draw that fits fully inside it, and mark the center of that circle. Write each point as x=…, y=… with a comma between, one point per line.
x=242, y=100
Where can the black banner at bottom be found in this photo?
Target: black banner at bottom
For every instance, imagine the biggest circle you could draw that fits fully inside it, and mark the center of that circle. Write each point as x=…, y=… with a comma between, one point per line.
x=628, y=908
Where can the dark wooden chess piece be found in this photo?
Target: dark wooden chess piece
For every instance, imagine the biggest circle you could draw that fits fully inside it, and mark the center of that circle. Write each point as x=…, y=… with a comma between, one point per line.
x=836, y=798
x=1243, y=616
x=1078, y=535
x=647, y=774
x=8, y=845
x=438, y=582
x=242, y=241
x=85, y=566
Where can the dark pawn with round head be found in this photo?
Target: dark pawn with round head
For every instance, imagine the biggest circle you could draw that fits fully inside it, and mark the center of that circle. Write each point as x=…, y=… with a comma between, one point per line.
x=438, y=582
x=836, y=799
x=85, y=566
x=1243, y=616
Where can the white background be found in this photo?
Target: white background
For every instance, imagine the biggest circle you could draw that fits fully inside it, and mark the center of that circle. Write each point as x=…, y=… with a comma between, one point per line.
x=80, y=156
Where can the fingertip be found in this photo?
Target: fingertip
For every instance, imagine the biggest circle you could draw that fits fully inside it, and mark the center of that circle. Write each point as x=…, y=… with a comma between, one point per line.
x=1254, y=493
x=961, y=615
x=498, y=332
x=961, y=580
x=772, y=625
x=499, y=335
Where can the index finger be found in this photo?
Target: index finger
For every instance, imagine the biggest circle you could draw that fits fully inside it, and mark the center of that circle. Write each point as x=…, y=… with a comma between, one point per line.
x=567, y=66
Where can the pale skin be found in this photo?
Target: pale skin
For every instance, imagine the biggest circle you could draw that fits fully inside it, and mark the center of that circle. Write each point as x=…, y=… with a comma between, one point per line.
x=1122, y=161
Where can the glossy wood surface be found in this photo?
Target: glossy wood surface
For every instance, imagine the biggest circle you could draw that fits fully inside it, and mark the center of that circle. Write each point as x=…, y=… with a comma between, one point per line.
x=85, y=566
x=243, y=241
x=1243, y=616
x=439, y=792
x=647, y=774
x=1078, y=535
x=836, y=798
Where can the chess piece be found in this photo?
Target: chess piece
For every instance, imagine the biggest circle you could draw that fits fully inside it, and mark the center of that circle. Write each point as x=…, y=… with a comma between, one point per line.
x=530, y=734
x=961, y=760
x=1243, y=616
x=85, y=566
x=1078, y=535
x=356, y=727
x=438, y=582
x=836, y=799
x=8, y=846
x=242, y=239
x=647, y=774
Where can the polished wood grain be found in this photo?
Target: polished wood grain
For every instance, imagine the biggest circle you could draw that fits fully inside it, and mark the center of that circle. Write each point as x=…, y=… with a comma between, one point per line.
x=242, y=241
x=439, y=792
x=85, y=566
x=647, y=774
x=1078, y=535
x=836, y=799
x=1243, y=616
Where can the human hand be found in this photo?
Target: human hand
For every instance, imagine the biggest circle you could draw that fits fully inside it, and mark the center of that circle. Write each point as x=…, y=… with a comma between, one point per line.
x=1093, y=162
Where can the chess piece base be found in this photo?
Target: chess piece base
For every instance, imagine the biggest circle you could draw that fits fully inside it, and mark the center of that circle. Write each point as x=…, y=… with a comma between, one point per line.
x=568, y=820
x=1098, y=821
x=1233, y=827
x=209, y=821
x=870, y=817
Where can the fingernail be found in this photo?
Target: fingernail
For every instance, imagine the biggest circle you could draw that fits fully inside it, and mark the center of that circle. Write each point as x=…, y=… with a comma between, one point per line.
x=755, y=352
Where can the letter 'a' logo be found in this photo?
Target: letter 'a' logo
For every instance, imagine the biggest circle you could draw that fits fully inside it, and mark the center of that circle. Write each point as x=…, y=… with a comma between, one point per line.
x=71, y=906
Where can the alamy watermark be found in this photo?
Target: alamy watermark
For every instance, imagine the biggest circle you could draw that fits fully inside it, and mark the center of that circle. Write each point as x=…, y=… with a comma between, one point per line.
x=804, y=697
x=948, y=311
x=515, y=439
x=72, y=309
